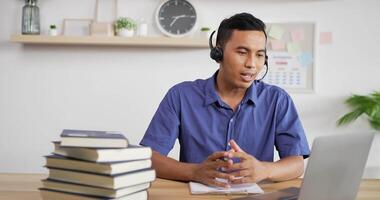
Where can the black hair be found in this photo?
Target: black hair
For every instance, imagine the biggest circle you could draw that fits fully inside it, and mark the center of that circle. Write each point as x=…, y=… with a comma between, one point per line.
x=242, y=22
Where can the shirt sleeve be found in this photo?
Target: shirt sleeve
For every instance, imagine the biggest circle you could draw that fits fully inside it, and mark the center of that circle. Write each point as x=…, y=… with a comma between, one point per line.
x=163, y=130
x=290, y=139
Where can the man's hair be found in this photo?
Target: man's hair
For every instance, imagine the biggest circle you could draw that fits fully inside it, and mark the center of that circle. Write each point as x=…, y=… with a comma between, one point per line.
x=242, y=22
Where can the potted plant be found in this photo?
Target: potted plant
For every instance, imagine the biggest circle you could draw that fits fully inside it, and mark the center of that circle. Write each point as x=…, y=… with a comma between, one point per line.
x=53, y=30
x=205, y=32
x=125, y=26
x=368, y=105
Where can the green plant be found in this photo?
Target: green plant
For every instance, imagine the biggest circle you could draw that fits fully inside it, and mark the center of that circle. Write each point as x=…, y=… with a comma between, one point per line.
x=205, y=29
x=125, y=22
x=53, y=26
x=369, y=105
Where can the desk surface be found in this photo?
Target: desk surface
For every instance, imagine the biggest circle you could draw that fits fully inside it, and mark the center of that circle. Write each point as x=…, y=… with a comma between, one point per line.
x=25, y=186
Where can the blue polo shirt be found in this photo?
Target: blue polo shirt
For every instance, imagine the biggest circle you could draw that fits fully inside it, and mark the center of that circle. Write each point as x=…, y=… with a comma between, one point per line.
x=194, y=113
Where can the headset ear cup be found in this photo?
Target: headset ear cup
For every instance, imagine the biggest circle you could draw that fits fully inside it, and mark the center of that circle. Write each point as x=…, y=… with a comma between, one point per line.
x=216, y=54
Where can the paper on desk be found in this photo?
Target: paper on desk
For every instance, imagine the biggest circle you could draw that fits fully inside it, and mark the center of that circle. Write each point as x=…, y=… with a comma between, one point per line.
x=246, y=188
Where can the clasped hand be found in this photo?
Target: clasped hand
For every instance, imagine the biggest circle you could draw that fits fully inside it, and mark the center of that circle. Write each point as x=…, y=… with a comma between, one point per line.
x=220, y=165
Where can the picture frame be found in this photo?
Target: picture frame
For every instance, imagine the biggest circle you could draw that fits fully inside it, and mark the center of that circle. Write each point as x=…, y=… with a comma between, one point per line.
x=76, y=27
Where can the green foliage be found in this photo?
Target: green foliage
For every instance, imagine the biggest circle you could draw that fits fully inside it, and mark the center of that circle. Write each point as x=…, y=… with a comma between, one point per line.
x=53, y=26
x=205, y=29
x=125, y=22
x=369, y=105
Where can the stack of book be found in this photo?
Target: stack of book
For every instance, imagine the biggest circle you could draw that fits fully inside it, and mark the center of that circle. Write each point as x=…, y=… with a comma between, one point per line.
x=97, y=165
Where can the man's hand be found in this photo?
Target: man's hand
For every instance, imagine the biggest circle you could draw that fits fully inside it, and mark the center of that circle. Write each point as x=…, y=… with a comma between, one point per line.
x=208, y=170
x=249, y=169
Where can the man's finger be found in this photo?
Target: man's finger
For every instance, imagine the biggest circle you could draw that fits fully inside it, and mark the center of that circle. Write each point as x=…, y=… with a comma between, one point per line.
x=235, y=146
x=217, y=164
x=216, y=174
x=241, y=155
x=217, y=155
x=246, y=179
x=238, y=166
x=240, y=173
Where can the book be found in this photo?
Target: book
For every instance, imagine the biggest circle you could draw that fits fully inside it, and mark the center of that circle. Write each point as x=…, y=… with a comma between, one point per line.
x=110, y=168
x=95, y=191
x=47, y=194
x=93, y=139
x=246, y=188
x=103, y=154
x=103, y=181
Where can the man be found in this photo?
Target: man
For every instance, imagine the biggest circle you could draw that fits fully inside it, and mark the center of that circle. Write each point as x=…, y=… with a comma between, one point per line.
x=228, y=125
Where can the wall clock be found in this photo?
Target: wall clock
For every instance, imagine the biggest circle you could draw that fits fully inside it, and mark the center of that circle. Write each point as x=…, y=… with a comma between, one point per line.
x=176, y=18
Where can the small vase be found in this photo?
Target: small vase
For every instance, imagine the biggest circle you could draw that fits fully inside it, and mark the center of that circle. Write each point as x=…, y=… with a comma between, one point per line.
x=125, y=32
x=30, y=18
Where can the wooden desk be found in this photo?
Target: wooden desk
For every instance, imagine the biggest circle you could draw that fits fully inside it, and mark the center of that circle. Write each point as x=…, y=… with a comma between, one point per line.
x=25, y=187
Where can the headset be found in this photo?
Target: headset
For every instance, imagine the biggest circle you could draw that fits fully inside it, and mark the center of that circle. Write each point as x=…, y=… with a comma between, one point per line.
x=216, y=53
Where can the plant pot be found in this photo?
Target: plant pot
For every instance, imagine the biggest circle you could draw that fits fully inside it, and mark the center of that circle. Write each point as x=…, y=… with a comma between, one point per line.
x=205, y=34
x=125, y=33
x=53, y=32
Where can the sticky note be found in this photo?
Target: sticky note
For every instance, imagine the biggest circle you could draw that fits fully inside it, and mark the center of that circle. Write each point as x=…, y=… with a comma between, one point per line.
x=293, y=47
x=276, y=32
x=325, y=38
x=277, y=45
x=305, y=58
x=297, y=35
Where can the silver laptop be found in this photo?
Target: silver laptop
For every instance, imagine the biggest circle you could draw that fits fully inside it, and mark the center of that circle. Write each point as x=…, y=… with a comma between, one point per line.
x=334, y=170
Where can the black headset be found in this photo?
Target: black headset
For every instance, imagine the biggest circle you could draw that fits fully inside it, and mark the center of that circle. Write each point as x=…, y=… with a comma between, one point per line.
x=216, y=53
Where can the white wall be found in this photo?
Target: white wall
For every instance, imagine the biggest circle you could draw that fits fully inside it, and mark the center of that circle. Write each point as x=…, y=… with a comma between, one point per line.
x=44, y=89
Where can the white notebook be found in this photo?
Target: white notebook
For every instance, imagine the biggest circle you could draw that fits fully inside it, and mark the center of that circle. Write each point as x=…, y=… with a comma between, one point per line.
x=247, y=188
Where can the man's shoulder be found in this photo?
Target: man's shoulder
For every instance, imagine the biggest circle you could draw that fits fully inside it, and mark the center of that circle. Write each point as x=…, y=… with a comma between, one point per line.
x=271, y=90
x=189, y=86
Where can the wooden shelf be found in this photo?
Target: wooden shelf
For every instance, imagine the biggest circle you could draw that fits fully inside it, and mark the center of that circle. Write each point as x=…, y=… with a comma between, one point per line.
x=111, y=41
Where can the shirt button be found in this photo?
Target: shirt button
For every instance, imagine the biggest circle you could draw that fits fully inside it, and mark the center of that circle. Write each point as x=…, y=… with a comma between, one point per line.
x=231, y=120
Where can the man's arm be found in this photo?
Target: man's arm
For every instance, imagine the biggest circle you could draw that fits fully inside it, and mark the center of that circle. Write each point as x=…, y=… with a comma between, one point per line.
x=205, y=172
x=286, y=168
x=169, y=168
x=253, y=170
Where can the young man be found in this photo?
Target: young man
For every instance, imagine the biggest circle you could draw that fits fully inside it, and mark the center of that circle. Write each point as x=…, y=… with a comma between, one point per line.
x=230, y=121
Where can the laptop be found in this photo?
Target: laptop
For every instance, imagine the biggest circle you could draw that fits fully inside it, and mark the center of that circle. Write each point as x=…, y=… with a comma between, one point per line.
x=334, y=170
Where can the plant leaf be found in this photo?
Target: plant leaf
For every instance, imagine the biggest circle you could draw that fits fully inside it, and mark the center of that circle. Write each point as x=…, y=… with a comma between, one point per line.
x=349, y=117
x=375, y=123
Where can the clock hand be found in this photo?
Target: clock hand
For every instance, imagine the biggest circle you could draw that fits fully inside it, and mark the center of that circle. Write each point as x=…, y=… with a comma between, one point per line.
x=175, y=19
x=178, y=17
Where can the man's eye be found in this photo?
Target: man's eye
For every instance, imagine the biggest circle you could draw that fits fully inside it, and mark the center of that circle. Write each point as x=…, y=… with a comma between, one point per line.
x=242, y=52
x=260, y=55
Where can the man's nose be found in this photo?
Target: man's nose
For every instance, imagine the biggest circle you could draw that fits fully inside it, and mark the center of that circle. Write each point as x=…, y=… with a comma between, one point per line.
x=251, y=62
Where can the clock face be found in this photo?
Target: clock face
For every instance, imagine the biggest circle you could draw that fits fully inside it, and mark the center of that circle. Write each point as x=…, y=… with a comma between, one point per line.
x=176, y=18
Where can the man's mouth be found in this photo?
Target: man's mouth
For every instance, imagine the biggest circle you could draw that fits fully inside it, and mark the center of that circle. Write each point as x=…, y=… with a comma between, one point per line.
x=247, y=77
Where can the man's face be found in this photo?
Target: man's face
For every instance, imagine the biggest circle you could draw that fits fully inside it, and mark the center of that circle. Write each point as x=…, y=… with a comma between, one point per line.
x=243, y=58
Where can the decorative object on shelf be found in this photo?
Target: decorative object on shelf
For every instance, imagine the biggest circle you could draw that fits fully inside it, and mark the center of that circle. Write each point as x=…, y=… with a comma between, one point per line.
x=98, y=28
x=30, y=18
x=125, y=26
x=205, y=32
x=53, y=30
x=76, y=27
x=176, y=18
x=368, y=104
x=143, y=28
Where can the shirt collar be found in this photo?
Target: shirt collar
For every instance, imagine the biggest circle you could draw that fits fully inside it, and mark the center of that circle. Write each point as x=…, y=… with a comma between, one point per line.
x=212, y=95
